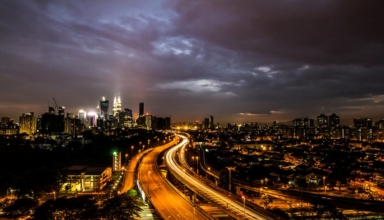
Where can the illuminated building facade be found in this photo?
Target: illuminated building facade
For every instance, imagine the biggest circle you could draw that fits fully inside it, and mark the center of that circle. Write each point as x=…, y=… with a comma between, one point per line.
x=116, y=161
x=125, y=118
x=84, y=178
x=104, y=105
x=116, y=106
x=27, y=124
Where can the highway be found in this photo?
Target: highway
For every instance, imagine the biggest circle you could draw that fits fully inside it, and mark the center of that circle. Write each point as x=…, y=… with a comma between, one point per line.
x=238, y=210
x=167, y=202
x=128, y=182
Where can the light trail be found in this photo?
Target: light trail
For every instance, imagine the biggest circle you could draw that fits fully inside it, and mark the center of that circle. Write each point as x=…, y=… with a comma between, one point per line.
x=207, y=191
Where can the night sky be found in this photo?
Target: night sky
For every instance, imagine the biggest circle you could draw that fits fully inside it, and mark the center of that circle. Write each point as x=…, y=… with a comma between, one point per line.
x=241, y=61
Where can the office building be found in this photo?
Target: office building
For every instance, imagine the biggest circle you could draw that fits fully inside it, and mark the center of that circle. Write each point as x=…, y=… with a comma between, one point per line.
x=116, y=106
x=211, y=125
x=104, y=105
x=82, y=116
x=51, y=123
x=141, y=109
x=27, y=124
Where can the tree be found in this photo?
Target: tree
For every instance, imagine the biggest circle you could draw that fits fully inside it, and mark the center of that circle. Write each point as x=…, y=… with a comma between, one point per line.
x=41, y=180
x=121, y=207
x=20, y=207
x=82, y=207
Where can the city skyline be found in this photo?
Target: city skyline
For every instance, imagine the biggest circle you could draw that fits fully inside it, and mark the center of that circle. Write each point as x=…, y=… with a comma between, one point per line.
x=252, y=61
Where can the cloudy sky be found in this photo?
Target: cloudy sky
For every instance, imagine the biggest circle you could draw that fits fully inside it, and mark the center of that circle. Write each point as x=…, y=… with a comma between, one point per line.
x=241, y=61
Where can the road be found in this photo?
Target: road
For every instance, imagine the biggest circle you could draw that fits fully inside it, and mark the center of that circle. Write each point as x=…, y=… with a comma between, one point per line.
x=167, y=202
x=218, y=197
x=130, y=170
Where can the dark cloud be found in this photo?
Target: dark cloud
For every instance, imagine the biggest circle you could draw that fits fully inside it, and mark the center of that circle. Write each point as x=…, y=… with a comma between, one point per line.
x=249, y=61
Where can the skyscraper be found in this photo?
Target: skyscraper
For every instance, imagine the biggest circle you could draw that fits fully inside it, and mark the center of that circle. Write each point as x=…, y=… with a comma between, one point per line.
x=116, y=105
x=104, y=105
x=322, y=121
x=334, y=120
x=211, y=122
x=141, y=109
x=27, y=123
x=82, y=116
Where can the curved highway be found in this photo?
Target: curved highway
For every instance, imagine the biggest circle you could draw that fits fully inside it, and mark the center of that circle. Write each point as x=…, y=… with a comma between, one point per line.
x=167, y=202
x=237, y=209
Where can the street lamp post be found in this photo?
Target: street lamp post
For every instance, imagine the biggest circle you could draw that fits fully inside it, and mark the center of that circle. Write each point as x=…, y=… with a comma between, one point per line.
x=244, y=205
x=197, y=165
x=325, y=189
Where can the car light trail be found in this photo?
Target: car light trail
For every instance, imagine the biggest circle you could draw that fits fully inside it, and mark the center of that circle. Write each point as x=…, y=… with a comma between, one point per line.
x=207, y=191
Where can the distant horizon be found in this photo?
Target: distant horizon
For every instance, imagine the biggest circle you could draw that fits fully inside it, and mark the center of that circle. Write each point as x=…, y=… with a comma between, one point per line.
x=217, y=119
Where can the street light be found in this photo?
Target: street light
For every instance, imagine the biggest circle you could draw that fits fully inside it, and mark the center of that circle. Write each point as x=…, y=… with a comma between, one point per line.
x=209, y=170
x=132, y=152
x=126, y=158
x=197, y=165
x=244, y=205
x=325, y=189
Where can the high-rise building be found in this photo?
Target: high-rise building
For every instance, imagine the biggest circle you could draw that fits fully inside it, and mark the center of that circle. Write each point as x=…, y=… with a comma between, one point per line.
x=104, y=105
x=206, y=123
x=51, y=123
x=334, y=121
x=211, y=126
x=5, y=120
x=116, y=105
x=167, y=122
x=62, y=110
x=91, y=119
x=148, y=122
x=72, y=125
x=82, y=116
x=322, y=121
x=27, y=123
x=362, y=122
x=141, y=109
x=303, y=122
x=125, y=118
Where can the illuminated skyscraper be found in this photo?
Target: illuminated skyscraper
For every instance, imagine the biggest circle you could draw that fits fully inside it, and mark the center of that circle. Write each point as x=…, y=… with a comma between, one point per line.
x=104, y=105
x=141, y=109
x=82, y=116
x=116, y=105
x=27, y=123
x=91, y=118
